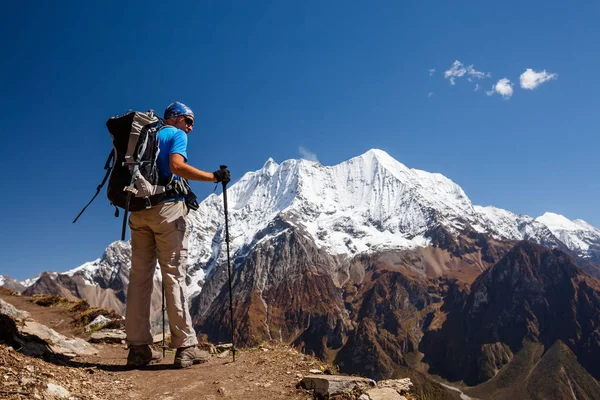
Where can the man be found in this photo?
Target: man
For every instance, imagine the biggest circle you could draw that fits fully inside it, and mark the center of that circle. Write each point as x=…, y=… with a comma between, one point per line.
x=160, y=233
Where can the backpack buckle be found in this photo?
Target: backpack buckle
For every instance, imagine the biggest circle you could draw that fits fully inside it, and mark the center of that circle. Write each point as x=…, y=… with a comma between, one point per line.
x=148, y=202
x=130, y=189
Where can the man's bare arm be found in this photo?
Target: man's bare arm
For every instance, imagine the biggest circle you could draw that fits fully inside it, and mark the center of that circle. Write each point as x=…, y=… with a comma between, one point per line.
x=181, y=168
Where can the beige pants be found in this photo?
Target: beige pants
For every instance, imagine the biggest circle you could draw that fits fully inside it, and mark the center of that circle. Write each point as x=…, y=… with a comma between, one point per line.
x=159, y=232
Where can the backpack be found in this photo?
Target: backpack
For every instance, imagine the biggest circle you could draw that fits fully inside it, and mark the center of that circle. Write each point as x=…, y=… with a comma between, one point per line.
x=134, y=181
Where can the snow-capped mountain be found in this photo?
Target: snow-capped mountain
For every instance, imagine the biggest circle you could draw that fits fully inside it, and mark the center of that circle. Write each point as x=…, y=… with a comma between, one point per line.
x=366, y=204
x=103, y=271
x=10, y=283
x=577, y=235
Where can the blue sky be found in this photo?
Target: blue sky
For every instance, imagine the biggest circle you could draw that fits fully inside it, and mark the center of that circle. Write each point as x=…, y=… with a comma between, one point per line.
x=285, y=78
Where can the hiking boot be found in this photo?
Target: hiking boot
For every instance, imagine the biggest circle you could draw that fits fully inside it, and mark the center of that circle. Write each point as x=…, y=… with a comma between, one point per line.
x=186, y=356
x=142, y=355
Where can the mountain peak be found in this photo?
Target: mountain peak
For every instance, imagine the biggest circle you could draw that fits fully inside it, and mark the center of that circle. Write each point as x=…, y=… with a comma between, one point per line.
x=378, y=153
x=270, y=165
x=375, y=157
x=557, y=221
x=578, y=235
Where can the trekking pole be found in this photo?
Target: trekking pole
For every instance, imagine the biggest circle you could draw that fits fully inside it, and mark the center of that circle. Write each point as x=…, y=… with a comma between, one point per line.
x=163, y=318
x=228, y=262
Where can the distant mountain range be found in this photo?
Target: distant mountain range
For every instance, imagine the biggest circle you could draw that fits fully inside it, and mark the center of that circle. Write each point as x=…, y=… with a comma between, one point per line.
x=378, y=267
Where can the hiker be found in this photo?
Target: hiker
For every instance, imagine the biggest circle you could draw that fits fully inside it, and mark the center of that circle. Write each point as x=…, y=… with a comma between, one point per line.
x=160, y=233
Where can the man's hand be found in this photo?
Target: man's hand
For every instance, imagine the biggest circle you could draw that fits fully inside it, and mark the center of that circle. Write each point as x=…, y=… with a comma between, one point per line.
x=222, y=175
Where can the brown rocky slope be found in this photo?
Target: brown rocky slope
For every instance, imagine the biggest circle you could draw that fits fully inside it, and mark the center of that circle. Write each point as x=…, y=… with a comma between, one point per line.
x=367, y=314
x=533, y=295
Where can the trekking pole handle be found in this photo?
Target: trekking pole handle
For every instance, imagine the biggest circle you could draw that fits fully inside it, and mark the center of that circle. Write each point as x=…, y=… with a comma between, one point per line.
x=222, y=167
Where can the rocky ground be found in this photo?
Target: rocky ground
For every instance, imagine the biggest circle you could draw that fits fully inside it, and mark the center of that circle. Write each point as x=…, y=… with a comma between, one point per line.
x=269, y=371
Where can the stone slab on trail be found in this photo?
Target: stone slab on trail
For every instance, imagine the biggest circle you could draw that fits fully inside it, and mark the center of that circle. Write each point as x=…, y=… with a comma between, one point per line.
x=329, y=385
x=59, y=344
x=56, y=342
x=108, y=336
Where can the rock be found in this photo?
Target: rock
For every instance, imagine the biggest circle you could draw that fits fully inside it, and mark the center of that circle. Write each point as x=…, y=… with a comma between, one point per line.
x=99, y=322
x=329, y=385
x=58, y=343
x=315, y=371
x=223, y=354
x=26, y=381
x=400, y=385
x=222, y=347
x=222, y=391
x=381, y=394
x=108, y=336
x=12, y=311
x=57, y=391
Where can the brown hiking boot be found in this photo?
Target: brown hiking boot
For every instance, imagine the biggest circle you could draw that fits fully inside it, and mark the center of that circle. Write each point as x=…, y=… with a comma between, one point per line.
x=186, y=356
x=142, y=355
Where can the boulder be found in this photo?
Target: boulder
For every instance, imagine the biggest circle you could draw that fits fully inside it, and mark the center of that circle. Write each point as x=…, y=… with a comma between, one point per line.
x=56, y=391
x=400, y=385
x=59, y=344
x=108, y=336
x=98, y=323
x=329, y=385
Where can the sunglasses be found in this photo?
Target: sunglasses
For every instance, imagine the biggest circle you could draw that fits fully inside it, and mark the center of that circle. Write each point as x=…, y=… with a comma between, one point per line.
x=189, y=121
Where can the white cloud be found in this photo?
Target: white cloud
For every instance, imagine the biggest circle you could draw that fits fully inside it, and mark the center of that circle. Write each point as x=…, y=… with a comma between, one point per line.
x=504, y=87
x=307, y=154
x=531, y=79
x=458, y=70
x=473, y=73
x=429, y=94
x=431, y=71
x=476, y=87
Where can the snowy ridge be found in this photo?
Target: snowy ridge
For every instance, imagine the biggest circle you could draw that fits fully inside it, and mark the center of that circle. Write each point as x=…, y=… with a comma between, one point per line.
x=503, y=224
x=369, y=203
x=31, y=281
x=577, y=235
x=86, y=270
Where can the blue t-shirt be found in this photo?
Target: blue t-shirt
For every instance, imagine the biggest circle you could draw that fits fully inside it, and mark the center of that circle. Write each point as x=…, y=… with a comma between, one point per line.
x=170, y=141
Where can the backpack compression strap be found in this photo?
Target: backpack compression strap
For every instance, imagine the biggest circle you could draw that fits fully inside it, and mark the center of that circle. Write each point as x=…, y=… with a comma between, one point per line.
x=108, y=167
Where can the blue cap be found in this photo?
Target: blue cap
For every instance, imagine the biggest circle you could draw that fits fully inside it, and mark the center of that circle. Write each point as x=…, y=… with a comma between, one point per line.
x=177, y=109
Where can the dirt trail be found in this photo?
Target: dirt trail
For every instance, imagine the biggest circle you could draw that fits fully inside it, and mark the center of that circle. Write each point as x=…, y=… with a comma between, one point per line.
x=268, y=372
